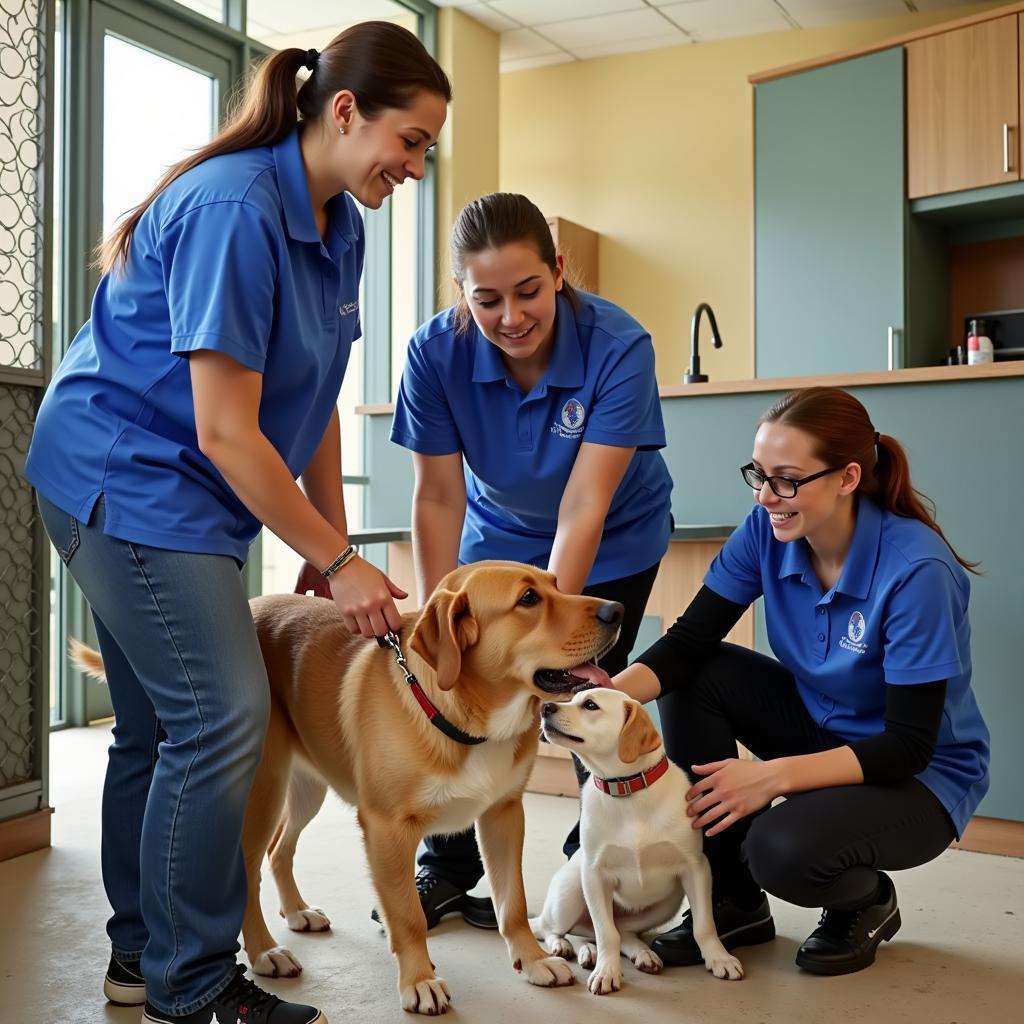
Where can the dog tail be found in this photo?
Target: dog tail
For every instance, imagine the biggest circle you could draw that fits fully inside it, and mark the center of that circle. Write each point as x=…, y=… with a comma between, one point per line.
x=86, y=660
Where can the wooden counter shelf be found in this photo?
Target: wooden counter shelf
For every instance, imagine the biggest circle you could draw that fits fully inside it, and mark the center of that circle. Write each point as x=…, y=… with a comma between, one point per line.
x=878, y=378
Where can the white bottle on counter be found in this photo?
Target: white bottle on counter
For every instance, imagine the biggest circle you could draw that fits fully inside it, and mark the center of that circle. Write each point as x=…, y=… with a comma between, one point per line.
x=979, y=350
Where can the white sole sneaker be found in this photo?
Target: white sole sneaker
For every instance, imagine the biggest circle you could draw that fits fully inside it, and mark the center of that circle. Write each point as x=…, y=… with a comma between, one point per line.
x=123, y=985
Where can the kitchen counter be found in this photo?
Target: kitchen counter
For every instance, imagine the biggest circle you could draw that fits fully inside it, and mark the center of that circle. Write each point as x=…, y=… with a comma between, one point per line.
x=403, y=534
x=915, y=375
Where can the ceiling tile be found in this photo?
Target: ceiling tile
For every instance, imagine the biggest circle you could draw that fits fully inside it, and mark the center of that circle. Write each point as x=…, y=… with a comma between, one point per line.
x=522, y=42
x=718, y=19
x=540, y=12
x=815, y=13
x=486, y=15
x=632, y=46
x=609, y=28
x=535, y=62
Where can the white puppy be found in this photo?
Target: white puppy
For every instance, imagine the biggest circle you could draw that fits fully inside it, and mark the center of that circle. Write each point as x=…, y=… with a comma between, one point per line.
x=638, y=853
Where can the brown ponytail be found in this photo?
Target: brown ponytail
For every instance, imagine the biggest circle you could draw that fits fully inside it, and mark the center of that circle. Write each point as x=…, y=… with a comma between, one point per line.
x=382, y=64
x=843, y=431
x=501, y=218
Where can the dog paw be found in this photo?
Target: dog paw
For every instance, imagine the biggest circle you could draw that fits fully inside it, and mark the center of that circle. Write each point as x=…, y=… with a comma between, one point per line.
x=551, y=972
x=647, y=961
x=277, y=962
x=606, y=977
x=586, y=955
x=430, y=996
x=724, y=965
x=309, y=919
x=559, y=945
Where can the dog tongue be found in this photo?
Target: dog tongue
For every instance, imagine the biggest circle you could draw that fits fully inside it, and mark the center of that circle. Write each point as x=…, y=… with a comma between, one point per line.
x=591, y=675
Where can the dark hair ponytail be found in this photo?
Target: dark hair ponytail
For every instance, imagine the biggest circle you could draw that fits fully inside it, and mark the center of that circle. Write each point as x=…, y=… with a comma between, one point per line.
x=843, y=432
x=382, y=64
x=494, y=220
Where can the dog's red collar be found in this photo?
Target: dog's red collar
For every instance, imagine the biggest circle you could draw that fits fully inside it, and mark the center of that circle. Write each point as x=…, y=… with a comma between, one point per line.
x=432, y=712
x=633, y=783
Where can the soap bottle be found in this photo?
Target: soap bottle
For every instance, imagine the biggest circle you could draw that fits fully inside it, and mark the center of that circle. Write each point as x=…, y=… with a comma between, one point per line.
x=979, y=344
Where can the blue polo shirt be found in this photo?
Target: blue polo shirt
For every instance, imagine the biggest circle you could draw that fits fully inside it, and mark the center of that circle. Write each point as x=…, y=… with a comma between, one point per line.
x=897, y=616
x=227, y=258
x=457, y=396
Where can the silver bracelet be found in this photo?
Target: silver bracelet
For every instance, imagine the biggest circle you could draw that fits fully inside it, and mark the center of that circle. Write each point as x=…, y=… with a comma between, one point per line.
x=343, y=559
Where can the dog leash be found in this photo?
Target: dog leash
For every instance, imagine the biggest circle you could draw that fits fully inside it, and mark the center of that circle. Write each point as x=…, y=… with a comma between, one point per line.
x=453, y=732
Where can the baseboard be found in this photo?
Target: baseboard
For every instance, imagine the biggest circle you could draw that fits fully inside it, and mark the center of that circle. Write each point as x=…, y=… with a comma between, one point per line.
x=993, y=835
x=25, y=833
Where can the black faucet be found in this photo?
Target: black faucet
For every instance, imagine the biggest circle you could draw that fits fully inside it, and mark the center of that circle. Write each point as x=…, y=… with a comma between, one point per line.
x=693, y=375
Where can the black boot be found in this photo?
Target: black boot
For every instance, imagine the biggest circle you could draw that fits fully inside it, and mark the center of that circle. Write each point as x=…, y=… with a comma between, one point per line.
x=735, y=926
x=845, y=940
x=439, y=898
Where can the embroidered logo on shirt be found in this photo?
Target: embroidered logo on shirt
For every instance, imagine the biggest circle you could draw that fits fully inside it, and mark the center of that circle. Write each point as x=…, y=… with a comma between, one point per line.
x=855, y=630
x=348, y=308
x=571, y=416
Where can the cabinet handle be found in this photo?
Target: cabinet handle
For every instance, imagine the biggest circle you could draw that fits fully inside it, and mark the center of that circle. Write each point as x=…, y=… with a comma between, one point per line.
x=1006, y=148
x=893, y=334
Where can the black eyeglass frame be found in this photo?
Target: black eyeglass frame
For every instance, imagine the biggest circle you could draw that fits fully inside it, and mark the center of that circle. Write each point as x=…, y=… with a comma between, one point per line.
x=770, y=480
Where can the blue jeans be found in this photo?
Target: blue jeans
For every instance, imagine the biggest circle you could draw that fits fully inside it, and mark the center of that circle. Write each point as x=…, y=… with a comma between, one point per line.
x=191, y=704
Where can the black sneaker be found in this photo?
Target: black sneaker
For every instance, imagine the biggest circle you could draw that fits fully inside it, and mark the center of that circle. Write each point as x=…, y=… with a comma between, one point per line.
x=124, y=984
x=736, y=927
x=242, y=1002
x=439, y=898
x=846, y=940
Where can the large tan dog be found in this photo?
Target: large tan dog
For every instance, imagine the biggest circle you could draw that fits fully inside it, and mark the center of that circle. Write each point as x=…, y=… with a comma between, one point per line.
x=495, y=640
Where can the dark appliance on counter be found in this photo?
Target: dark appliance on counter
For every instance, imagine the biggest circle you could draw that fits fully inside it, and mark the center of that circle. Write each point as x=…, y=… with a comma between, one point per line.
x=1005, y=328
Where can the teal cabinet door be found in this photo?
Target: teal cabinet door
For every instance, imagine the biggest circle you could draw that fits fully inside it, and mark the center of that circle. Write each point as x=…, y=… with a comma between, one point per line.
x=830, y=218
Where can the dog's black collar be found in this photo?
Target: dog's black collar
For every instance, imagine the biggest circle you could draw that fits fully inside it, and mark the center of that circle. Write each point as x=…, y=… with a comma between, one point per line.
x=453, y=732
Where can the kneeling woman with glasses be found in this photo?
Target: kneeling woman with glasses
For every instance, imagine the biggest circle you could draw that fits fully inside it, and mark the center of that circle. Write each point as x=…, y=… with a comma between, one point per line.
x=866, y=722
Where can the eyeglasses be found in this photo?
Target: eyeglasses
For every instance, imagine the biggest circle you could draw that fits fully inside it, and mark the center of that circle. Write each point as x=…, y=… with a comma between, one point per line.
x=783, y=486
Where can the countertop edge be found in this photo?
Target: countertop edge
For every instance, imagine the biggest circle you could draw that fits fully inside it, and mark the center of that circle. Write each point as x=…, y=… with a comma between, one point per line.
x=399, y=534
x=916, y=375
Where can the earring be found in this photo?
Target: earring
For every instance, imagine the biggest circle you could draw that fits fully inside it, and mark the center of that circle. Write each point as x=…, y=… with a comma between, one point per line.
x=341, y=129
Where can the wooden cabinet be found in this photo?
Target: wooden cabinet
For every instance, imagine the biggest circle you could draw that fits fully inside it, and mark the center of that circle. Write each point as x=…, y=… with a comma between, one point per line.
x=579, y=246
x=830, y=218
x=963, y=108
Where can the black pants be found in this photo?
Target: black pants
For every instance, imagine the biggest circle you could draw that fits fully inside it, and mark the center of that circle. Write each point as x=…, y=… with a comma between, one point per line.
x=821, y=848
x=457, y=857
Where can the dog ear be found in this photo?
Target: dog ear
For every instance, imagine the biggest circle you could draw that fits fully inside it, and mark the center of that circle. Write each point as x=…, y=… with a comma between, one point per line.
x=444, y=630
x=638, y=735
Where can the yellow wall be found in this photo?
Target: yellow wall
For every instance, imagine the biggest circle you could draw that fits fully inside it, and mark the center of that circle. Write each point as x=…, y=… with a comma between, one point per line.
x=654, y=150
x=468, y=147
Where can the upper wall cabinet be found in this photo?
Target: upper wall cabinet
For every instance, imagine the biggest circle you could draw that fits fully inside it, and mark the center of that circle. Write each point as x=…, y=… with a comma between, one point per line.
x=963, y=108
x=829, y=218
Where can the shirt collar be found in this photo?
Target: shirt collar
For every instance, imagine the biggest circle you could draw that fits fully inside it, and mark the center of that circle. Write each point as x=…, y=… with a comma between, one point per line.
x=861, y=559
x=295, y=197
x=565, y=369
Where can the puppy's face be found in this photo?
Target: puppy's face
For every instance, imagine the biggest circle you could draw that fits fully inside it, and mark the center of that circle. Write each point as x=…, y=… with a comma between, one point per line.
x=508, y=624
x=606, y=729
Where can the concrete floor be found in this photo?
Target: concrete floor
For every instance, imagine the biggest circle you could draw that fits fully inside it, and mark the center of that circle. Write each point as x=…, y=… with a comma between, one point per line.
x=959, y=958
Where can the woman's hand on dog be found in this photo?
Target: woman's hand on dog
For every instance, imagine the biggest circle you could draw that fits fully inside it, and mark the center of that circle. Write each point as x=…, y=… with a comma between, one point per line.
x=365, y=598
x=730, y=790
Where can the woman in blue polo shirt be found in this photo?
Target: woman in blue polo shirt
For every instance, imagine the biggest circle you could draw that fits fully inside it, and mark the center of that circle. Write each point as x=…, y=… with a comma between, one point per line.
x=533, y=415
x=867, y=722
x=204, y=383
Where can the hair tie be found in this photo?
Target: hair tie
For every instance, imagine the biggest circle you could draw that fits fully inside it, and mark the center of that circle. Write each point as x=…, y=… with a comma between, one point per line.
x=877, y=437
x=312, y=56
